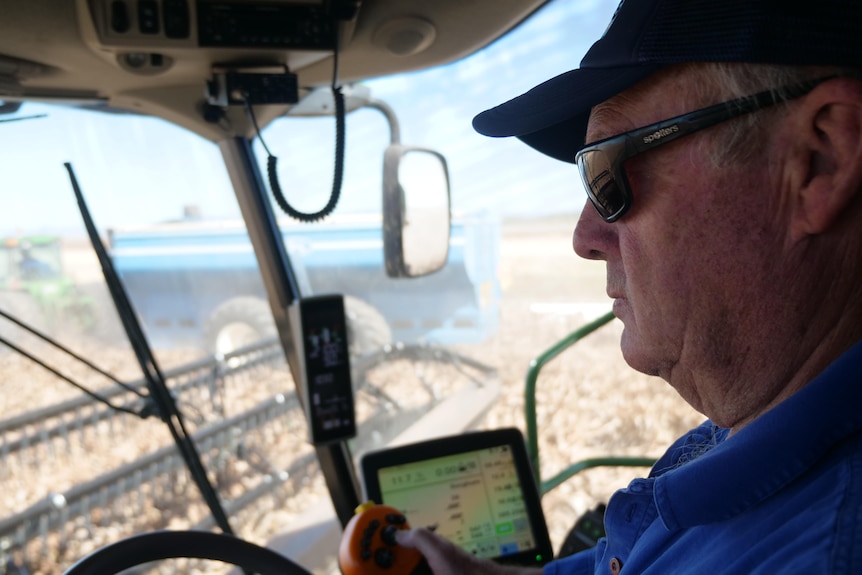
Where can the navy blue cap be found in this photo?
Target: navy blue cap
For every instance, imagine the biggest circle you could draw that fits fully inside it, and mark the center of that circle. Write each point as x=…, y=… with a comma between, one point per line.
x=647, y=35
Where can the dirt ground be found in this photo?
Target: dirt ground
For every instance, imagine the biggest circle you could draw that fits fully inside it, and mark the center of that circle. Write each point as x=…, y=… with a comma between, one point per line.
x=589, y=402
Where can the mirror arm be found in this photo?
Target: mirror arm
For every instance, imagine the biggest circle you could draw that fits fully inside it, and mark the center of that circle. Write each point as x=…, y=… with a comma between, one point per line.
x=391, y=118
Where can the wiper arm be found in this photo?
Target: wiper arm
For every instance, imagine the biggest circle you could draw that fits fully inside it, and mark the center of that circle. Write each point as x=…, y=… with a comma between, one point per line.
x=143, y=413
x=159, y=392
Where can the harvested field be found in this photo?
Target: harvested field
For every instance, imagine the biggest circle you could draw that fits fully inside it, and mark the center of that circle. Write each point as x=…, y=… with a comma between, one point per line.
x=589, y=402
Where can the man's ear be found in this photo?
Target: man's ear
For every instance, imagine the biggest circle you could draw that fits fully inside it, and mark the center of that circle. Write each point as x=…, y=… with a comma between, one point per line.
x=828, y=140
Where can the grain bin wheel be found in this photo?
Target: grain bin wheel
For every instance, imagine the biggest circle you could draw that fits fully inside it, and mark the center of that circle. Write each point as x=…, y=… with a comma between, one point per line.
x=238, y=322
x=245, y=320
x=367, y=329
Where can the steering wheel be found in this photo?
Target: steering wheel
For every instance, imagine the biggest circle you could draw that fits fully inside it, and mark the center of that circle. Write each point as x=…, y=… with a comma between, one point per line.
x=158, y=545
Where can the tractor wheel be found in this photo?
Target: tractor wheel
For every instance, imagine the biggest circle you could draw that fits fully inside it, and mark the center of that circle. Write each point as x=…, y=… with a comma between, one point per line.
x=367, y=329
x=238, y=322
x=244, y=320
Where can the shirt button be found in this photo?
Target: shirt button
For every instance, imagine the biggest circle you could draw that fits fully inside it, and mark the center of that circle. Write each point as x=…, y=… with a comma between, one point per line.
x=615, y=566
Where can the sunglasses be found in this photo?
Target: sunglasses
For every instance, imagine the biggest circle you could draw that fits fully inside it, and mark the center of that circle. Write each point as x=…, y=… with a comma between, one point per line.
x=601, y=163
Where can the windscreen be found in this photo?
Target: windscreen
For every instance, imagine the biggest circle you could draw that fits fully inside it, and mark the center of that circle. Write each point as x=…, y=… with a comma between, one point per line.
x=84, y=458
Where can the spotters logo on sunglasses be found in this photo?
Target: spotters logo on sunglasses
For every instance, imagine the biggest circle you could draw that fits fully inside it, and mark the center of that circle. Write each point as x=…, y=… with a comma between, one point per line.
x=659, y=134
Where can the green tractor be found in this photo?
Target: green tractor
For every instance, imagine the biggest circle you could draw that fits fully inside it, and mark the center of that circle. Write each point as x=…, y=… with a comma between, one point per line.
x=34, y=289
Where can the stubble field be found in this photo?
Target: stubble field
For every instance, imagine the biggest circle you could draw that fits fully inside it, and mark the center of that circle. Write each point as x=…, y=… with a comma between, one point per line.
x=589, y=402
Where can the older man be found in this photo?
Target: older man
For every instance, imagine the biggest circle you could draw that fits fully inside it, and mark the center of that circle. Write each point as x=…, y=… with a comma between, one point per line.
x=720, y=143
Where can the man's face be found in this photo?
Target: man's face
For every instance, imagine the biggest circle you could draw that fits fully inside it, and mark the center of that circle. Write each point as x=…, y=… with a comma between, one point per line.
x=689, y=266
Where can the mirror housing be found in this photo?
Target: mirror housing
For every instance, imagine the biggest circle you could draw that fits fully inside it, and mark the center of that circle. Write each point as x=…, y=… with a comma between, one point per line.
x=416, y=211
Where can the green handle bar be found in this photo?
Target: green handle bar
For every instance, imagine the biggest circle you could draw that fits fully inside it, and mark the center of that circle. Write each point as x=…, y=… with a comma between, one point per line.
x=536, y=366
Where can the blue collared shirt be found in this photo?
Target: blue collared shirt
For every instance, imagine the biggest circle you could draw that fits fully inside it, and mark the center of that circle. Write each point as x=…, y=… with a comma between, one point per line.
x=781, y=496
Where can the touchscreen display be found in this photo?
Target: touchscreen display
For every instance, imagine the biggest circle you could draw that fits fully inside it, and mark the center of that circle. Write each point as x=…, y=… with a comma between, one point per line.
x=474, y=499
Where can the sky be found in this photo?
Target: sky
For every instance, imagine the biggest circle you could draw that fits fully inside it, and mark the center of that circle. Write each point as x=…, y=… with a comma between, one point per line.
x=137, y=171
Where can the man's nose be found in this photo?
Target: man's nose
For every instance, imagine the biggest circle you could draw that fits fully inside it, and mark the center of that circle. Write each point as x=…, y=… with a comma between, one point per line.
x=593, y=237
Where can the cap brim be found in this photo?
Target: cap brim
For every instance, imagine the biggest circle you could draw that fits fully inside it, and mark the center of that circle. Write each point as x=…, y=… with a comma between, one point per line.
x=552, y=117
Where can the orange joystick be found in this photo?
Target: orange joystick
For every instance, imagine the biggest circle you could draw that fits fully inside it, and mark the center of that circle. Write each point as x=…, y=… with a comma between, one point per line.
x=368, y=546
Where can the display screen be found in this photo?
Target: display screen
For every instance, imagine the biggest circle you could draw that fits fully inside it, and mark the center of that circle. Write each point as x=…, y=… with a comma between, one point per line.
x=476, y=498
x=327, y=369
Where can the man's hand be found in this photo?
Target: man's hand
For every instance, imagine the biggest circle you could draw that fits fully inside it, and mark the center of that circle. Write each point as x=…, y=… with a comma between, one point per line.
x=446, y=558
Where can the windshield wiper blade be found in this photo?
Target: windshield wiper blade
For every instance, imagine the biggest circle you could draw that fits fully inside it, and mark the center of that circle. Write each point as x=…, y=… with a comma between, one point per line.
x=159, y=392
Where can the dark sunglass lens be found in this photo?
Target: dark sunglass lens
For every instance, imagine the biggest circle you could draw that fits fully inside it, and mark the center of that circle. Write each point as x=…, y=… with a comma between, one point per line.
x=602, y=188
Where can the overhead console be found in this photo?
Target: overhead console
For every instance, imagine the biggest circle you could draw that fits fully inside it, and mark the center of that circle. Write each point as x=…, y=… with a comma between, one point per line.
x=264, y=24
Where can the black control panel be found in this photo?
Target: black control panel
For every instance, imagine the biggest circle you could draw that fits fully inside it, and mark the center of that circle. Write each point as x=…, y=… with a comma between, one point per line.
x=150, y=18
x=317, y=25
x=320, y=328
x=309, y=25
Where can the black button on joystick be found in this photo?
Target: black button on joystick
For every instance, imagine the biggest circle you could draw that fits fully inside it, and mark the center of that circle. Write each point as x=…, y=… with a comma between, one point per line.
x=384, y=558
x=388, y=534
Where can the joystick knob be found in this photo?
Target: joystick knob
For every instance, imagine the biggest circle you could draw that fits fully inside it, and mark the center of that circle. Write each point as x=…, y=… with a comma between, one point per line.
x=368, y=546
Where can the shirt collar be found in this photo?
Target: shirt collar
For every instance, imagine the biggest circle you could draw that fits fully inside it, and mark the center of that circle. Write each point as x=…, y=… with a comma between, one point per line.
x=767, y=454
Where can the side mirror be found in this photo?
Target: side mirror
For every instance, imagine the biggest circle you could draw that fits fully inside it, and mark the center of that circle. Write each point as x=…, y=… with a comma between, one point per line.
x=416, y=216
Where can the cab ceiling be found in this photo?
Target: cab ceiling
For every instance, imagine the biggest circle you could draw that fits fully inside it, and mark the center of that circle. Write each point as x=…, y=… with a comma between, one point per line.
x=71, y=50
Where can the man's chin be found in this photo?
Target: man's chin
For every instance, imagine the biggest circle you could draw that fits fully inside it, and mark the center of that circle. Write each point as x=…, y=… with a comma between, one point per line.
x=635, y=355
